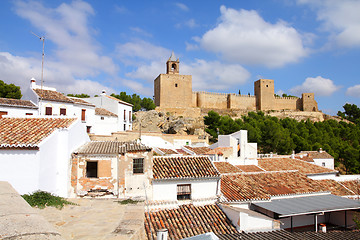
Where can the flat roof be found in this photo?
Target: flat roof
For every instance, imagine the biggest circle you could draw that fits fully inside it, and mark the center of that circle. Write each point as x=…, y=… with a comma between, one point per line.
x=308, y=205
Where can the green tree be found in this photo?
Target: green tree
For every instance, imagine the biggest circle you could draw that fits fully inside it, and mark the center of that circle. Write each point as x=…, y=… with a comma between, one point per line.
x=9, y=91
x=137, y=102
x=82, y=95
x=351, y=113
x=148, y=104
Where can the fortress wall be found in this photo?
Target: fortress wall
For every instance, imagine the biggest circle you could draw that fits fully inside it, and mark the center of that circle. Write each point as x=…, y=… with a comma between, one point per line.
x=288, y=103
x=194, y=99
x=212, y=100
x=244, y=102
x=308, y=102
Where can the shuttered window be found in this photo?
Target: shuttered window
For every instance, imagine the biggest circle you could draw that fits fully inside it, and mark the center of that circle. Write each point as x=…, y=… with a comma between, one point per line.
x=48, y=111
x=62, y=111
x=183, y=191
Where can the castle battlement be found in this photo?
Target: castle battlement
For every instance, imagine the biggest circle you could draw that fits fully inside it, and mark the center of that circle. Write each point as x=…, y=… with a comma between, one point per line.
x=172, y=90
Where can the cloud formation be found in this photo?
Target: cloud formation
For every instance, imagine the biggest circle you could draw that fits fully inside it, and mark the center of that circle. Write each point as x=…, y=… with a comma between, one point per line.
x=353, y=91
x=340, y=18
x=318, y=85
x=246, y=38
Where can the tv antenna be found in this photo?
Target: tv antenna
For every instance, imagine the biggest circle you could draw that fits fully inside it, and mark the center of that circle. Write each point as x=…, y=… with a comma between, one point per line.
x=42, y=38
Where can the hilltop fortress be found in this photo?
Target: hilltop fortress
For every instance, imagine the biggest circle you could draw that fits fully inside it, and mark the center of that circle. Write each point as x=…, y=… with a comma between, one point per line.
x=174, y=91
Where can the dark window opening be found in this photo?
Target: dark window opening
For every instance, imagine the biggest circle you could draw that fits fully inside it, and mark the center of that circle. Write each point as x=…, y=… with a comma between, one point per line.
x=176, y=85
x=3, y=113
x=88, y=128
x=267, y=85
x=102, y=118
x=138, y=165
x=92, y=169
x=124, y=115
x=130, y=116
x=124, y=127
x=173, y=67
x=28, y=114
x=183, y=191
x=48, y=111
x=62, y=111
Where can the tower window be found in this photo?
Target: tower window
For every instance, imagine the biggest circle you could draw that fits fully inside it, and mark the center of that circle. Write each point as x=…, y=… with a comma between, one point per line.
x=267, y=85
x=173, y=67
x=176, y=85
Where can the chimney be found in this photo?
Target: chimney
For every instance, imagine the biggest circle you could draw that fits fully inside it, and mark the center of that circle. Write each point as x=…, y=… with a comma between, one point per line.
x=293, y=154
x=103, y=92
x=320, y=150
x=162, y=234
x=32, y=82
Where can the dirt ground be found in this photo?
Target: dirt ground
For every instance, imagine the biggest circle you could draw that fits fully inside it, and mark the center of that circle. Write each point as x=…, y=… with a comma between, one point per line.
x=97, y=219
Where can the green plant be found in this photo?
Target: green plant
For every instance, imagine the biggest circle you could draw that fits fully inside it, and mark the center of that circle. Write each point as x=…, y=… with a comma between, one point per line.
x=42, y=199
x=129, y=201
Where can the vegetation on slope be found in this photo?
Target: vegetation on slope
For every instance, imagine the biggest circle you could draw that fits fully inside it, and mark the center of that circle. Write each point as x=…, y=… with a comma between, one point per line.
x=9, y=91
x=282, y=136
x=138, y=103
x=43, y=199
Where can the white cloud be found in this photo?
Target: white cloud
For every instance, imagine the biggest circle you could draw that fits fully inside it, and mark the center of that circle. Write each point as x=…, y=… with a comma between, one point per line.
x=139, y=88
x=148, y=72
x=340, y=18
x=244, y=37
x=318, y=85
x=353, y=91
x=67, y=27
x=214, y=75
x=182, y=6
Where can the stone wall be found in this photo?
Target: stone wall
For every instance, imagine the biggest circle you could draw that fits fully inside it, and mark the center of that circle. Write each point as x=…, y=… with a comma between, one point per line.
x=286, y=103
x=244, y=102
x=212, y=100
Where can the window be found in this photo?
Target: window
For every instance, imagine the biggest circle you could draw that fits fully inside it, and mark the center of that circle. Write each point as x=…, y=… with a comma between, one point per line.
x=28, y=114
x=130, y=116
x=62, y=111
x=183, y=191
x=3, y=113
x=138, y=165
x=48, y=111
x=124, y=127
x=323, y=164
x=83, y=111
x=92, y=169
x=124, y=115
x=176, y=85
x=88, y=128
x=102, y=118
x=173, y=67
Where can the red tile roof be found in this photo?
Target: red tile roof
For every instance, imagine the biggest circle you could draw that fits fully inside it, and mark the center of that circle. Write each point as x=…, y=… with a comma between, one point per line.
x=225, y=167
x=81, y=101
x=279, y=164
x=198, y=150
x=17, y=103
x=219, y=150
x=111, y=147
x=120, y=101
x=187, y=221
x=317, y=155
x=182, y=152
x=29, y=132
x=183, y=167
x=249, y=168
x=353, y=186
x=104, y=112
x=52, y=95
x=167, y=151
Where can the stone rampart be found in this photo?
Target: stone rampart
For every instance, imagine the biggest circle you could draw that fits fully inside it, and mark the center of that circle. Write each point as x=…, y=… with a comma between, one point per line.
x=244, y=102
x=212, y=100
x=287, y=103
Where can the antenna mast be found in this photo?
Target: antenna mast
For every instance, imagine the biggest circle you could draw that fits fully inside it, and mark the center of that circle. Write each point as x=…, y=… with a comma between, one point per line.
x=42, y=38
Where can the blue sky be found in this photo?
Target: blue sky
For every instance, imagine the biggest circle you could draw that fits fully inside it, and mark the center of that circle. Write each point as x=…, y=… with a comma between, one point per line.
x=303, y=45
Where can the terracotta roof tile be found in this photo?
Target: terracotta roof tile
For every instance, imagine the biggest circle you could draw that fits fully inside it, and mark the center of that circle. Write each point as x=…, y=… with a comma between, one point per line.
x=29, y=132
x=249, y=168
x=104, y=112
x=111, y=147
x=183, y=167
x=52, y=95
x=120, y=101
x=317, y=155
x=81, y=101
x=17, y=103
x=219, y=150
x=280, y=164
x=167, y=151
x=334, y=187
x=182, y=152
x=353, y=186
x=187, y=221
x=225, y=167
x=198, y=150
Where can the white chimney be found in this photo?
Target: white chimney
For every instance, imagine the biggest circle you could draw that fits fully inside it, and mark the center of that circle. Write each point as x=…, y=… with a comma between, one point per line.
x=32, y=82
x=162, y=234
x=103, y=92
x=293, y=154
x=320, y=150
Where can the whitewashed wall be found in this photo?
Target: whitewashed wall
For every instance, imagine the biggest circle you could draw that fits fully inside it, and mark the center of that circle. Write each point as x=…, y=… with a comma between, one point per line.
x=104, y=127
x=18, y=111
x=329, y=163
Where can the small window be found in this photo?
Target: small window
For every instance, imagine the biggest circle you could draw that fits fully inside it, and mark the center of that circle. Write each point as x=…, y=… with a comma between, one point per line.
x=92, y=169
x=130, y=116
x=323, y=164
x=176, y=85
x=48, y=111
x=138, y=165
x=124, y=127
x=83, y=111
x=88, y=129
x=267, y=85
x=29, y=114
x=124, y=115
x=62, y=111
x=102, y=118
x=3, y=113
x=183, y=191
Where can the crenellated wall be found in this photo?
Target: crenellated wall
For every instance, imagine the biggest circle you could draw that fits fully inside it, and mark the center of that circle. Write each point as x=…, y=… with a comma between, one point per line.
x=212, y=100
x=244, y=102
x=286, y=103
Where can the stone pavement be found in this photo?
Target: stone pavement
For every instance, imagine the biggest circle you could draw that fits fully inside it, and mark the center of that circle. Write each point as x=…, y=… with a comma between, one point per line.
x=19, y=221
x=97, y=219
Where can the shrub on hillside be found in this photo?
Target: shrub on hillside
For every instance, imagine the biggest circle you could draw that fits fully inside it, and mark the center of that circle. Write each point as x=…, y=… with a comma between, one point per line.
x=42, y=199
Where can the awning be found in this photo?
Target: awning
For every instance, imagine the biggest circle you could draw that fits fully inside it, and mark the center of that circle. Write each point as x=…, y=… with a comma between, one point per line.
x=305, y=205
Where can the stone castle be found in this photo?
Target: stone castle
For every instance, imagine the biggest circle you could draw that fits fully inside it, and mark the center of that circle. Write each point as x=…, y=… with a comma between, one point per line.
x=172, y=90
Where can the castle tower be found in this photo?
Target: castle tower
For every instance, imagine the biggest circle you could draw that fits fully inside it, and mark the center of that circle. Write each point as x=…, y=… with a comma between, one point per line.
x=264, y=93
x=308, y=102
x=172, y=89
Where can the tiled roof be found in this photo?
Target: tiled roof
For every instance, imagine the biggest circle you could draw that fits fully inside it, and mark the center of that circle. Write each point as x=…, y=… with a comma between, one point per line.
x=104, y=112
x=279, y=164
x=182, y=152
x=29, y=132
x=283, y=234
x=17, y=103
x=225, y=167
x=198, y=150
x=52, y=95
x=305, y=158
x=167, y=151
x=111, y=147
x=187, y=221
x=317, y=155
x=249, y=168
x=334, y=187
x=219, y=150
x=120, y=101
x=81, y=101
x=241, y=187
x=183, y=167
x=353, y=186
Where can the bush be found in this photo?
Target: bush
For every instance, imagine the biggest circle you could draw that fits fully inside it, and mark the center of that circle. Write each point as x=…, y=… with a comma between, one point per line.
x=129, y=201
x=42, y=199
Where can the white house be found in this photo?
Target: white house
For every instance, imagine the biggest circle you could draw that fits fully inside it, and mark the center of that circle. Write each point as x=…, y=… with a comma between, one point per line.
x=122, y=109
x=184, y=180
x=243, y=153
x=35, y=152
x=17, y=107
x=320, y=158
